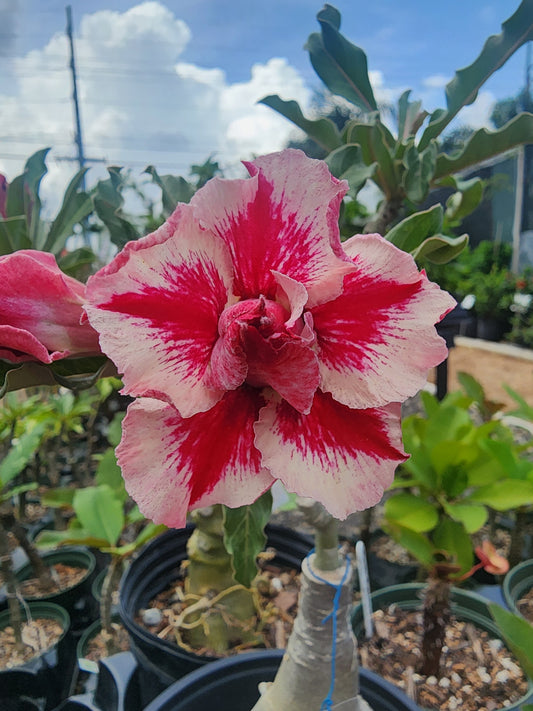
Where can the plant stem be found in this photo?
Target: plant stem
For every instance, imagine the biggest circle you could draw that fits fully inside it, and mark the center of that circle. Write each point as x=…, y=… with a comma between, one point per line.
x=41, y=571
x=388, y=212
x=209, y=574
x=326, y=533
x=517, y=536
x=110, y=584
x=436, y=618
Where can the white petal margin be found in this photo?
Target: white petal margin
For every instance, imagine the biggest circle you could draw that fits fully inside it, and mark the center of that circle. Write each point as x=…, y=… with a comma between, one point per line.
x=171, y=464
x=157, y=307
x=341, y=457
x=377, y=341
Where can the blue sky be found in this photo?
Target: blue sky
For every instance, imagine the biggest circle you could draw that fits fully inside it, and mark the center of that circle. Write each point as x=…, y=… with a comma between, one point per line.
x=227, y=54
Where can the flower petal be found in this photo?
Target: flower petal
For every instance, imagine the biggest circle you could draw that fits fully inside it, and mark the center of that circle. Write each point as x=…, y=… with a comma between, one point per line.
x=41, y=309
x=157, y=307
x=377, y=341
x=341, y=457
x=284, y=218
x=171, y=464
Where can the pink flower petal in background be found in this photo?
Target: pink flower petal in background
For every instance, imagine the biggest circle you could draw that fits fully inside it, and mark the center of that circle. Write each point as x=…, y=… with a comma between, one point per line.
x=157, y=309
x=342, y=457
x=377, y=341
x=171, y=464
x=40, y=310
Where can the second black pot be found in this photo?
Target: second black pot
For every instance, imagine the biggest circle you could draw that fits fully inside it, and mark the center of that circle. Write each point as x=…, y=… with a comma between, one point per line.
x=162, y=662
x=231, y=685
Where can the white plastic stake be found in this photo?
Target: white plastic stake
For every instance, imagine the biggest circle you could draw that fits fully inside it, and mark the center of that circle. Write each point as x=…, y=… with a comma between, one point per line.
x=364, y=587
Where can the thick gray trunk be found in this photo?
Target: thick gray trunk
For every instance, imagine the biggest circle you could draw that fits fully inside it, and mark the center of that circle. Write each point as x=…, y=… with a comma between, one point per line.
x=304, y=677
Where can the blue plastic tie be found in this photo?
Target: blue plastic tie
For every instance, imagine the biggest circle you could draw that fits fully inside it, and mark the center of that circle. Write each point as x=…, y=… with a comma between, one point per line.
x=327, y=703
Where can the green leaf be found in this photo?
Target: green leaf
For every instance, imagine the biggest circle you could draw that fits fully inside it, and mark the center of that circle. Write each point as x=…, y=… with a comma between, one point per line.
x=472, y=516
x=108, y=472
x=244, y=538
x=411, y=512
x=440, y=249
x=413, y=230
x=323, y=131
x=174, y=189
x=58, y=498
x=347, y=163
x=472, y=388
x=463, y=202
x=72, y=536
x=518, y=634
x=450, y=536
x=100, y=512
x=72, y=262
x=20, y=454
x=416, y=543
x=410, y=116
x=340, y=64
x=463, y=88
x=75, y=208
x=524, y=410
x=375, y=149
x=420, y=169
x=13, y=234
x=108, y=202
x=18, y=490
x=485, y=144
x=114, y=433
x=505, y=494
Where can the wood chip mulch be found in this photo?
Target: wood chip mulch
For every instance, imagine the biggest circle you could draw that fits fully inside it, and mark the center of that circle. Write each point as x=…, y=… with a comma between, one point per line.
x=477, y=673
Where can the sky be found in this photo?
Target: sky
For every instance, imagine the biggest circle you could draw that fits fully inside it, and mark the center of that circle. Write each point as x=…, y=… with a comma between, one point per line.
x=173, y=82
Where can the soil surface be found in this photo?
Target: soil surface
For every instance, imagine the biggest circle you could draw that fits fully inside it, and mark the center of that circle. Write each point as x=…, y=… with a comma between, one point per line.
x=37, y=636
x=477, y=673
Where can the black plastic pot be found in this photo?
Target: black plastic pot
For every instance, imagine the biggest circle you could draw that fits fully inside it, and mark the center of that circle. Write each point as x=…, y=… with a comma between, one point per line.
x=517, y=583
x=231, y=685
x=465, y=605
x=160, y=661
x=75, y=599
x=44, y=680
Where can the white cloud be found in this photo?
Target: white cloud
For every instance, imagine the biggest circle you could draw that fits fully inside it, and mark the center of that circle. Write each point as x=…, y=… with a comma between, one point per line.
x=139, y=103
x=435, y=81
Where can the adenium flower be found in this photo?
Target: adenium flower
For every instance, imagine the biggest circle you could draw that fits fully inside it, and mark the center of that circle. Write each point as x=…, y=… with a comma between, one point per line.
x=261, y=348
x=40, y=310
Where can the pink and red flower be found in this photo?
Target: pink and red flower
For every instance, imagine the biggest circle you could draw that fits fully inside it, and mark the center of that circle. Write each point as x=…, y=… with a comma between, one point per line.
x=41, y=310
x=261, y=348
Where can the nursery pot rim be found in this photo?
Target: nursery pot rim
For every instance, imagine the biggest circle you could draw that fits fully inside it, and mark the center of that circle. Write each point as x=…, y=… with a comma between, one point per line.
x=62, y=553
x=42, y=609
x=268, y=657
x=517, y=582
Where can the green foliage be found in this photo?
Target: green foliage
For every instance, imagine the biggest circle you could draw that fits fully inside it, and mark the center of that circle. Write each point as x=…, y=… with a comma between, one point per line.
x=457, y=469
x=23, y=226
x=406, y=167
x=244, y=536
x=518, y=633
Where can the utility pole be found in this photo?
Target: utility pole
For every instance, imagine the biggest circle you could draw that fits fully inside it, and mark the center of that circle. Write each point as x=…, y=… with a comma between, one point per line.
x=78, y=135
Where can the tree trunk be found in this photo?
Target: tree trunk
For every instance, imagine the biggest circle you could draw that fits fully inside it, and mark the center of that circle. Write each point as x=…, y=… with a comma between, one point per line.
x=436, y=618
x=305, y=675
